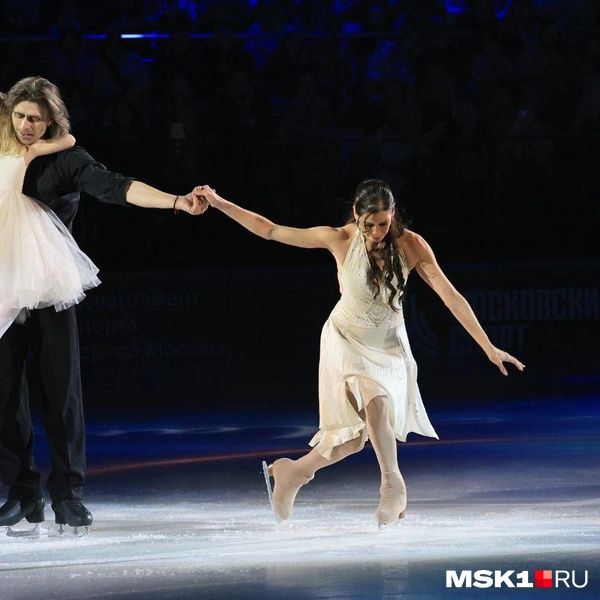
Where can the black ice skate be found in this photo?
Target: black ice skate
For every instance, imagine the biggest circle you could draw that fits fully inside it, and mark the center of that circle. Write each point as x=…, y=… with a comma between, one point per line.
x=72, y=512
x=14, y=510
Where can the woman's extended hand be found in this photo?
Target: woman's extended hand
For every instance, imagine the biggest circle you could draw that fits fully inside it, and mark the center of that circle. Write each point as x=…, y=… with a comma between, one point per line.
x=499, y=357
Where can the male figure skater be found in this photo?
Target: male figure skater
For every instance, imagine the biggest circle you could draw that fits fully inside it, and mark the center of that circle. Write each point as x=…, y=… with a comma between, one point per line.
x=38, y=112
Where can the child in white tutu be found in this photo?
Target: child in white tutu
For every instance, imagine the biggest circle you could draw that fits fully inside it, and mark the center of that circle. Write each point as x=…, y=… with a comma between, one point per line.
x=41, y=265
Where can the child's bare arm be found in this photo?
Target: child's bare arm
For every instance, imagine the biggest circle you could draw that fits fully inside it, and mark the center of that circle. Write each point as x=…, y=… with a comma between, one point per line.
x=43, y=147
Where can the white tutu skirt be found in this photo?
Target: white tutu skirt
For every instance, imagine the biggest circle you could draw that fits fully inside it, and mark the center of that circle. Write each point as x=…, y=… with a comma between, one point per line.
x=41, y=265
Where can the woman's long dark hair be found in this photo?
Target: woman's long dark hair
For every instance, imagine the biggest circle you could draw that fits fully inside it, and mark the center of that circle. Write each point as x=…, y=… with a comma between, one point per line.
x=373, y=196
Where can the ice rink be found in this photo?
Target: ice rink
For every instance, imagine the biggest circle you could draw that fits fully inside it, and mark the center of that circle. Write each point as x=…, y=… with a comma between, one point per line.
x=181, y=511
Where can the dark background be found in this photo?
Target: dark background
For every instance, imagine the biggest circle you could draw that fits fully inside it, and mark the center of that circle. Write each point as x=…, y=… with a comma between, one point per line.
x=483, y=116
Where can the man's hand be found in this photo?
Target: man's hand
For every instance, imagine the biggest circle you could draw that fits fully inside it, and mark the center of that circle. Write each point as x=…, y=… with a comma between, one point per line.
x=192, y=203
x=208, y=195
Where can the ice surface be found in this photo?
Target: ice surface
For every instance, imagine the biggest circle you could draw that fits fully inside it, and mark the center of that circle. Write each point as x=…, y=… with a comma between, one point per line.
x=200, y=528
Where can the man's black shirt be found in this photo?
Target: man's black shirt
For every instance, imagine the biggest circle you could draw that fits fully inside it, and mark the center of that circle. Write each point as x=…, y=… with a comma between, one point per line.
x=57, y=180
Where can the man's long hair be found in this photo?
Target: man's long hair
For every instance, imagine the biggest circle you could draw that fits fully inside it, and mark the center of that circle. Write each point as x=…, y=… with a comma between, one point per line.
x=47, y=96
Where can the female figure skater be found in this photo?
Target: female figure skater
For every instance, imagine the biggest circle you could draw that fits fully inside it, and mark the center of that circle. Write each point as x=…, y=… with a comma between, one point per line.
x=367, y=375
x=41, y=265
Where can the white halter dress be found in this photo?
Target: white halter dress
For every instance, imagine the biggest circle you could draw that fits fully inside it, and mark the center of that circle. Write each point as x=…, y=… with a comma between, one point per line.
x=41, y=264
x=364, y=347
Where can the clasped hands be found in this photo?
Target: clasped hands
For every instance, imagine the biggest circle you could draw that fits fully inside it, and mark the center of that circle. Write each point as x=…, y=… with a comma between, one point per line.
x=197, y=201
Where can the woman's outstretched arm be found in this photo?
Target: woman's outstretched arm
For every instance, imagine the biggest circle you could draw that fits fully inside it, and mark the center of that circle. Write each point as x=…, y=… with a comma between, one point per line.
x=427, y=267
x=313, y=237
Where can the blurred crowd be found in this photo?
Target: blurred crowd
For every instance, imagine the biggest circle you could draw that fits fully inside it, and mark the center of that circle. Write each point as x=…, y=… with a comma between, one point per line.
x=483, y=115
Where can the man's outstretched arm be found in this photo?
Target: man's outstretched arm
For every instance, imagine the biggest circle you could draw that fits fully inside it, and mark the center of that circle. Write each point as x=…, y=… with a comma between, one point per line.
x=141, y=194
x=90, y=176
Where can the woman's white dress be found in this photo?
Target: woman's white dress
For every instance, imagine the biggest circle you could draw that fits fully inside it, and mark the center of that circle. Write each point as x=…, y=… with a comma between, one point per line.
x=364, y=347
x=41, y=265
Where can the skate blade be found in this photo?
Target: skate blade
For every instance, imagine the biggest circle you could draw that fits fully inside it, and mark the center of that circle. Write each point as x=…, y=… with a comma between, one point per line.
x=265, y=469
x=34, y=533
x=67, y=534
x=384, y=526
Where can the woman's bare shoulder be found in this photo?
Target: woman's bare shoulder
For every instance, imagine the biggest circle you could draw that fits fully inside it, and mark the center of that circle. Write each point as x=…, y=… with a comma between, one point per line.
x=412, y=238
x=348, y=230
x=413, y=245
x=340, y=237
x=340, y=244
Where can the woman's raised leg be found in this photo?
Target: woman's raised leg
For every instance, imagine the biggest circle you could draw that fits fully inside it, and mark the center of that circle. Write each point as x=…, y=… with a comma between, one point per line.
x=291, y=475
